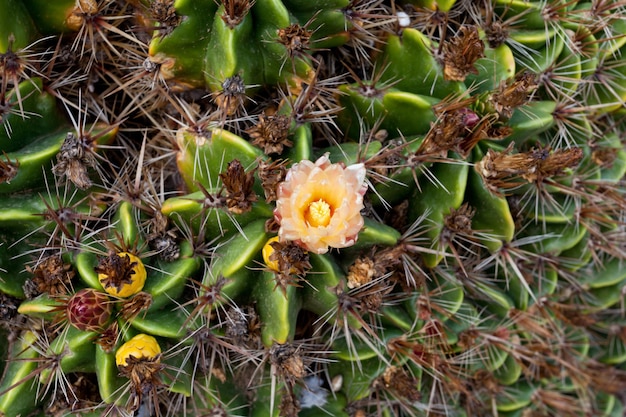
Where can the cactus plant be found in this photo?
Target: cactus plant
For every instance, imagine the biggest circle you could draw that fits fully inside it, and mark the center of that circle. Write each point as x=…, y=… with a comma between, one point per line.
x=281, y=207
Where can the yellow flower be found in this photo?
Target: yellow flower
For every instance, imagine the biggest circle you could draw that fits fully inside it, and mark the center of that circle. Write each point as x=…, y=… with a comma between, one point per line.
x=140, y=347
x=122, y=274
x=319, y=204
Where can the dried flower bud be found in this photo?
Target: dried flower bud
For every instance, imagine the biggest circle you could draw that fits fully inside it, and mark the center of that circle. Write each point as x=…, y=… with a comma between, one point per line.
x=73, y=159
x=271, y=133
x=238, y=184
x=504, y=170
x=296, y=39
x=89, y=310
x=461, y=53
x=50, y=276
x=513, y=94
x=272, y=174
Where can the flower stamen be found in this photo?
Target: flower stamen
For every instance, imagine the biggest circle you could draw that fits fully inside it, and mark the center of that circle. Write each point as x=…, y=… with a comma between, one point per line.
x=318, y=214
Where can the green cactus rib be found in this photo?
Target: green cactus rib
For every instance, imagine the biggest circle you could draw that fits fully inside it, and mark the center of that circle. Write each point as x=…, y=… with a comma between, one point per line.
x=485, y=139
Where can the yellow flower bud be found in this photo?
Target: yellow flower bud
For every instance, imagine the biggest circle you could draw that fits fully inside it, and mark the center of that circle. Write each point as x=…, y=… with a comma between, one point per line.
x=140, y=346
x=122, y=274
x=268, y=250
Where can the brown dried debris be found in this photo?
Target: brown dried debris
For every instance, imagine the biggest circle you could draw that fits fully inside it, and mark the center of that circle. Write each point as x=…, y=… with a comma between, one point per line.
x=460, y=220
x=288, y=361
x=8, y=169
x=461, y=53
x=361, y=272
x=457, y=128
x=293, y=263
x=232, y=96
x=235, y=11
x=143, y=374
x=238, y=185
x=271, y=133
x=131, y=307
x=109, y=337
x=504, y=170
x=51, y=276
x=511, y=95
x=296, y=39
x=163, y=11
x=401, y=382
x=272, y=174
x=73, y=160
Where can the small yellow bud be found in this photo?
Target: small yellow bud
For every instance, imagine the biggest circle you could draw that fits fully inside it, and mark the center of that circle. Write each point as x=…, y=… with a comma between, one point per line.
x=268, y=250
x=122, y=274
x=140, y=346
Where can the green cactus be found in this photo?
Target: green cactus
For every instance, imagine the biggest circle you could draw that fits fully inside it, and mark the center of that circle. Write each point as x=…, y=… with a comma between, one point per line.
x=289, y=208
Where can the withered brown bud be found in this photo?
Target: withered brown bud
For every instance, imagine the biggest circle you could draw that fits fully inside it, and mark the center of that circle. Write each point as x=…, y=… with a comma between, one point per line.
x=163, y=11
x=288, y=361
x=50, y=276
x=108, y=338
x=271, y=133
x=503, y=170
x=511, y=95
x=73, y=159
x=131, y=307
x=291, y=258
x=461, y=53
x=361, y=272
x=457, y=128
x=232, y=96
x=272, y=174
x=238, y=185
x=296, y=38
x=460, y=220
x=399, y=381
x=235, y=11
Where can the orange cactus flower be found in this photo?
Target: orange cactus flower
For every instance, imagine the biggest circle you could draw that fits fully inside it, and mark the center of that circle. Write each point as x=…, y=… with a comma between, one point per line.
x=319, y=204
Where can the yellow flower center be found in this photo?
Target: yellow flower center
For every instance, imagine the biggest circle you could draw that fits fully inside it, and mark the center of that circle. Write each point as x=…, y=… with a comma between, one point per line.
x=268, y=250
x=140, y=346
x=318, y=213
